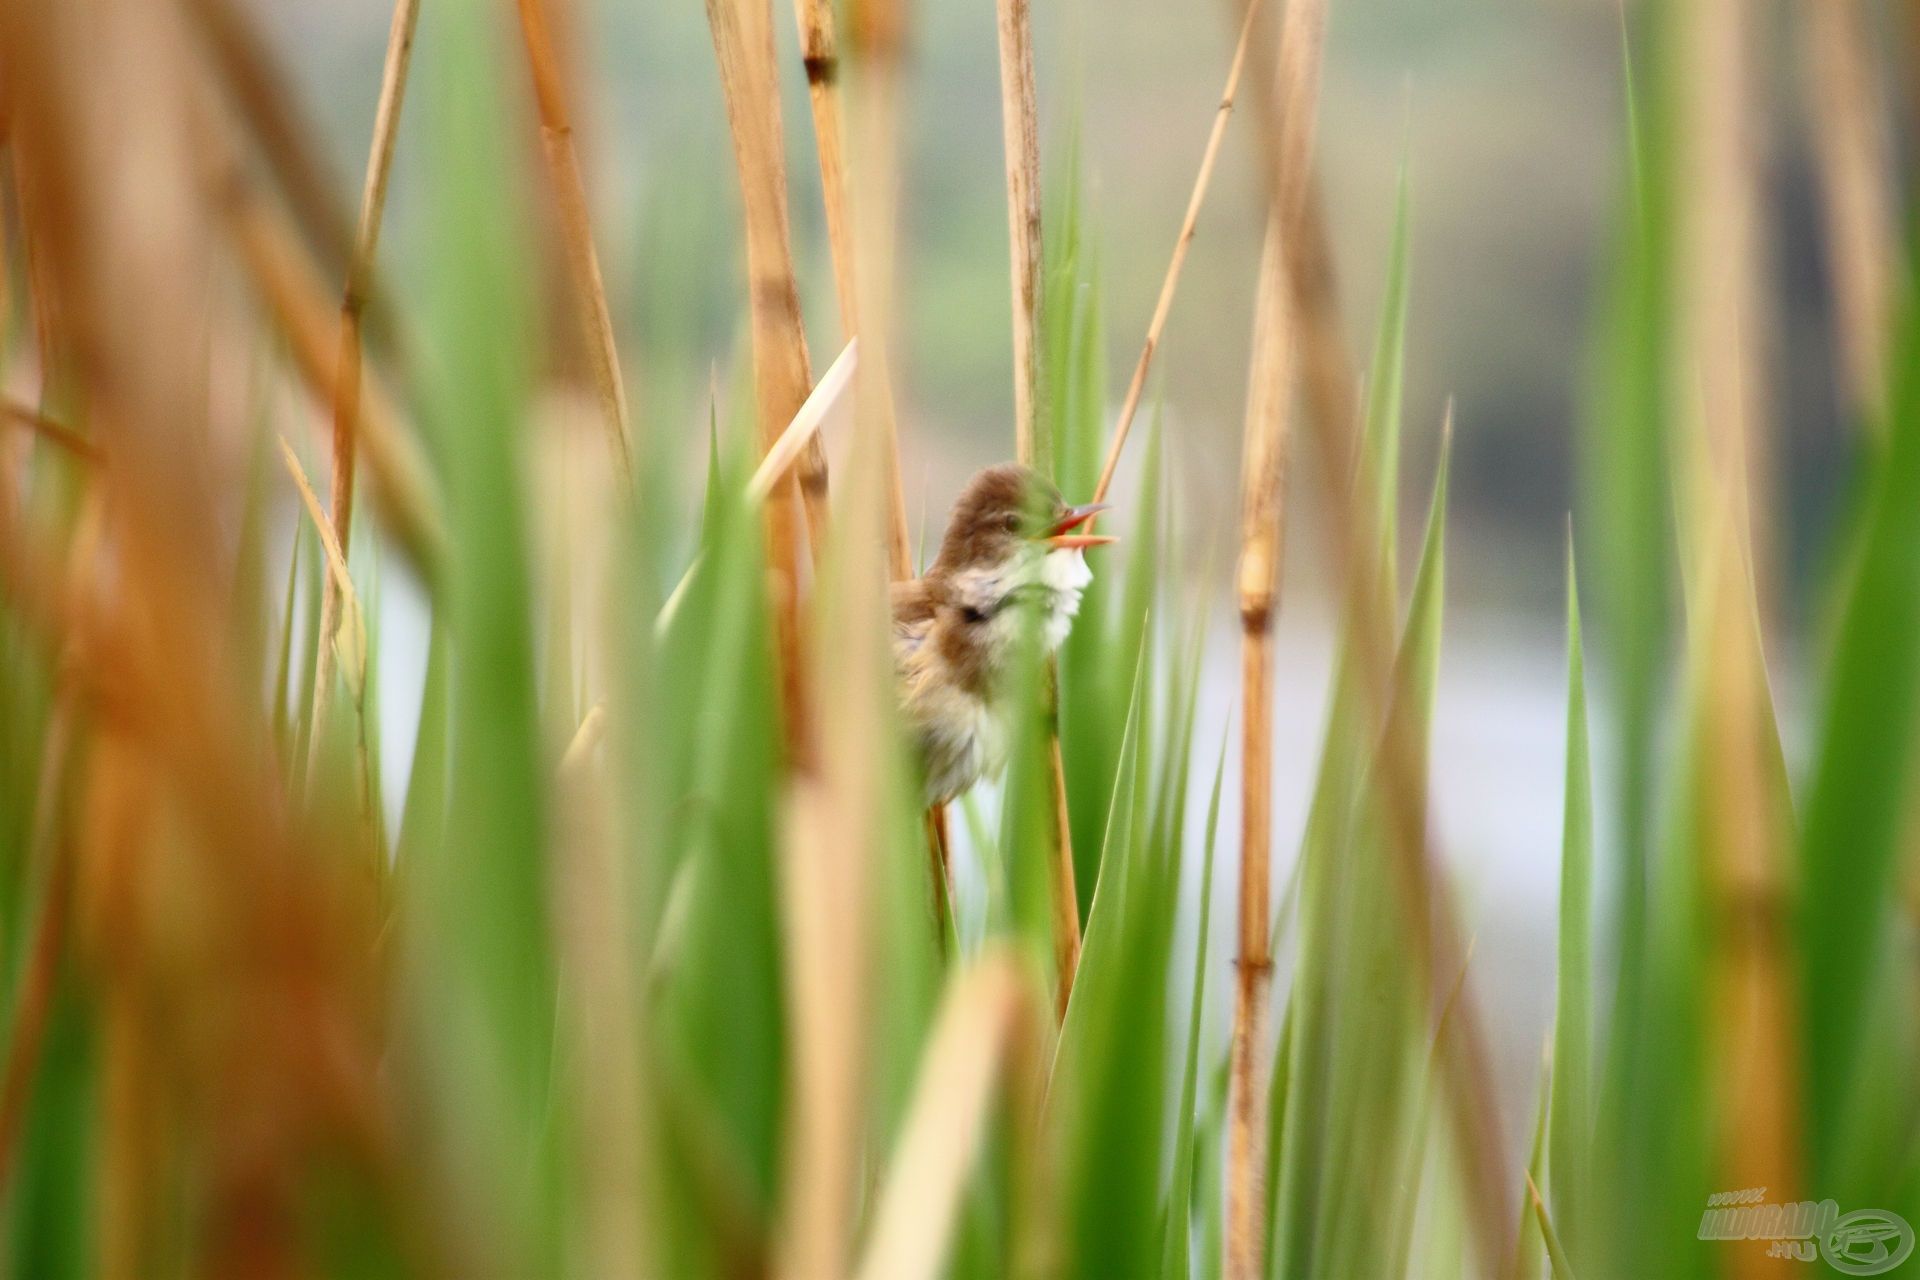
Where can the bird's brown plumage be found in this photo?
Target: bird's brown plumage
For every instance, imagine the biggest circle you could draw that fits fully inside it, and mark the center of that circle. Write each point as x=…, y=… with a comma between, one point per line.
x=954, y=636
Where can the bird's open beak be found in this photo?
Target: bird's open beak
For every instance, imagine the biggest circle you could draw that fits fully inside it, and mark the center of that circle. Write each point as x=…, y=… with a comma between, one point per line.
x=1062, y=535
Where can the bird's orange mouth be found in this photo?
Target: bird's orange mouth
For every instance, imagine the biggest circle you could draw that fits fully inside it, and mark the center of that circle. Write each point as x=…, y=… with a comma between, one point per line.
x=1062, y=536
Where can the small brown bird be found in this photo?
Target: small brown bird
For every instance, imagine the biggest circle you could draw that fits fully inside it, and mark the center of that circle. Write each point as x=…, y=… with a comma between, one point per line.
x=1010, y=559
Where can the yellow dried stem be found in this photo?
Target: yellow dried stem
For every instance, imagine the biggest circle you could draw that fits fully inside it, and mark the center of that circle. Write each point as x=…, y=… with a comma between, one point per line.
x=1262, y=475
x=1853, y=155
x=834, y=831
x=1020, y=132
x=743, y=45
x=820, y=59
x=290, y=288
x=1285, y=89
x=989, y=1026
x=590, y=894
x=1170, y=283
x=570, y=199
x=257, y=85
x=349, y=641
x=777, y=463
x=1721, y=302
x=69, y=440
x=1065, y=889
x=346, y=394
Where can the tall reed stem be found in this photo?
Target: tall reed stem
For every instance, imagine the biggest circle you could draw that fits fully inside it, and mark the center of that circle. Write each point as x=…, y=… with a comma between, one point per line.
x=1285, y=90
x=743, y=45
x=570, y=198
x=1170, y=283
x=835, y=834
x=1262, y=478
x=1852, y=154
x=820, y=56
x=1720, y=305
x=1020, y=131
x=291, y=290
x=346, y=392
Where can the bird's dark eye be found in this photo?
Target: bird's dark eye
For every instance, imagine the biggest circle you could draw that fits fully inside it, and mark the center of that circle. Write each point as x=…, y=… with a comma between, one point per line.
x=1012, y=522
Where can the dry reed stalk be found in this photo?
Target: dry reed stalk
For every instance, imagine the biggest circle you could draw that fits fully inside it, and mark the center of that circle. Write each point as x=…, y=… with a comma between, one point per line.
x=777, y=462
x=1060, y=873
x=1020, y=133
x=821, y=61
x=69, y=440
x=1720, y=302
x=1136, y=386
x=291, y=290
x=590, y=898
x=1285, y=93
x=834, y=828
x=348, y=637
x=989, y=1026
x=102, y=98
x=346, y=393
x=940, y=870
x=1853, y=155
x=40, y=292
x=570, y=199
x=743, y=45
x=1262, y=480
x=257, y=85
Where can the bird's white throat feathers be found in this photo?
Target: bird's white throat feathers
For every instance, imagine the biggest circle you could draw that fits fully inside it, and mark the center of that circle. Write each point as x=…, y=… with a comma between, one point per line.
x=1065, y=575
x=1053, y=578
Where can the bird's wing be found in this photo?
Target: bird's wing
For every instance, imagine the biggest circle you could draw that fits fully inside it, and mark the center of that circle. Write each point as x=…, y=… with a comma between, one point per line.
x=912, y=604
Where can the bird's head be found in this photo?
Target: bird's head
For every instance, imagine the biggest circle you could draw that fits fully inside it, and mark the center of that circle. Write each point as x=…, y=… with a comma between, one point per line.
x=1012, y=534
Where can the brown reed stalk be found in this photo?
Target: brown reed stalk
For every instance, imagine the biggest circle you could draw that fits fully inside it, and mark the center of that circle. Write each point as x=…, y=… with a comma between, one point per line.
x=1720, y=304
x=1170, y=283
x=39, y=288
x=989, y=1027
x=291, y=290
x=346, y=393
x=1020, y=133
x=257, y=84
x=743, y=45
x=184, y=812
x=1060, y=875
x=777, y=463
x=834, y=831
x=1284, y=83
x=1262, y=480
x=570, y=199
x=69, y=440
x=1853, y=158
x=349, y=632
x=591, y=927
x=821, y=60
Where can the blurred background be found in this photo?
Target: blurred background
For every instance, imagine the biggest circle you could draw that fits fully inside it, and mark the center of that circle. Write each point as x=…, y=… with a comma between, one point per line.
x=1509, y=117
